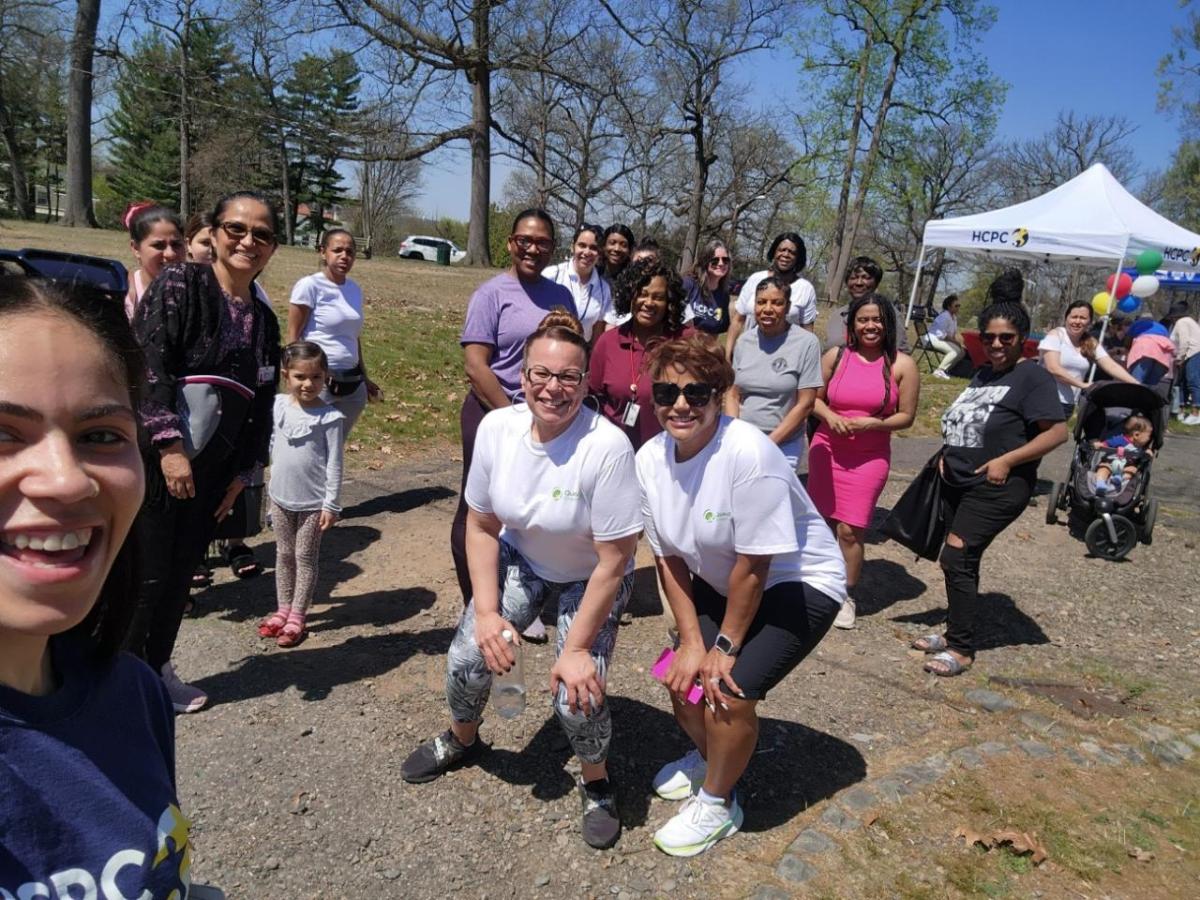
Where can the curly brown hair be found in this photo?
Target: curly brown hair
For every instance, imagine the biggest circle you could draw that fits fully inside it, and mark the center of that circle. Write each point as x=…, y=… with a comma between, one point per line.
x=698, y=355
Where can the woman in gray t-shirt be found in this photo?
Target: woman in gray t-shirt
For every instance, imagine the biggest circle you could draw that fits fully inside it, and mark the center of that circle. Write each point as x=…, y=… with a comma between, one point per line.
x=777, y=369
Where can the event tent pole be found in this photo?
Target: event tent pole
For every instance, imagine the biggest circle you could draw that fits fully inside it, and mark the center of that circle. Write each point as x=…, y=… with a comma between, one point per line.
x=1104, y=320
x=912, y=297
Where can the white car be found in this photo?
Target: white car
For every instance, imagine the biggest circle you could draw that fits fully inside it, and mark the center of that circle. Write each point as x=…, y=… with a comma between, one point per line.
x=423, y=246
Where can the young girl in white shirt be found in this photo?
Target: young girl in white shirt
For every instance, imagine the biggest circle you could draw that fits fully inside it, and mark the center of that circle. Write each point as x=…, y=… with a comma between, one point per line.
x=306, y=479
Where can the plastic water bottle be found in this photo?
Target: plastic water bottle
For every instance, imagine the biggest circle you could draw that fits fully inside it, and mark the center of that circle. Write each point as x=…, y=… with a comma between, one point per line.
x=508, y=690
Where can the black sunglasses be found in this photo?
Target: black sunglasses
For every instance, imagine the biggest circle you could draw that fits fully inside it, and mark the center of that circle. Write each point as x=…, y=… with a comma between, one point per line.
x=665, y=393
x=1005, y=339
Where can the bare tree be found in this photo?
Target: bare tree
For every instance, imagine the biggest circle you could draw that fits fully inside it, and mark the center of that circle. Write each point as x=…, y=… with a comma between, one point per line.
x=1074, y=144
x=385, y=187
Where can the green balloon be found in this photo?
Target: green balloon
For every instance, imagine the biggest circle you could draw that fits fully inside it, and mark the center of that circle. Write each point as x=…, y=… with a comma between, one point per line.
x=1148, y=262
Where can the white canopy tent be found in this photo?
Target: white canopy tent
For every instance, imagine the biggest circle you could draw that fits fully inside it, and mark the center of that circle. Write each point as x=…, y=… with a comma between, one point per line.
x=1089, y=221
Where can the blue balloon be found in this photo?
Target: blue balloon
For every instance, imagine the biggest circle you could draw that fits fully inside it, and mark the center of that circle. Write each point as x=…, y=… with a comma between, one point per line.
x=1129, y=304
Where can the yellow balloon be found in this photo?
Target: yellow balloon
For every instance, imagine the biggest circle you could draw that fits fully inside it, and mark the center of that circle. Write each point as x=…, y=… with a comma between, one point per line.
x=1102, y=303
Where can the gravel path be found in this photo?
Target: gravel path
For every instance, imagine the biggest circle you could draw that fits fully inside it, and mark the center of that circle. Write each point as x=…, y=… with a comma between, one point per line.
x=292, y=778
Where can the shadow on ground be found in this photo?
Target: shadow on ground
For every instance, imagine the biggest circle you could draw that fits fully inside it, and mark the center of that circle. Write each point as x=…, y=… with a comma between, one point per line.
x=883, y=583
x=774, y=789
x=398, y=502
x=1001, y=623
x=315, y=671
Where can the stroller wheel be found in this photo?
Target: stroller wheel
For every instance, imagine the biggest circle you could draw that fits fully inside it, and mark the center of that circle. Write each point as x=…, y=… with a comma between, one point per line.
x=1053, y=502
x=1148, y=521
x=1101, y=543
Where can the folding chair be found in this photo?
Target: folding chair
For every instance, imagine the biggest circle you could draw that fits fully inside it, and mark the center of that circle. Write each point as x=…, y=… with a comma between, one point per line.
x=921, y=348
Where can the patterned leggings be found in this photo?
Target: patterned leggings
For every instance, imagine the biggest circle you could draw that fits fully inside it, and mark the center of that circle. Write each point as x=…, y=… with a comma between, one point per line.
x=522, y=596
x=297, y=543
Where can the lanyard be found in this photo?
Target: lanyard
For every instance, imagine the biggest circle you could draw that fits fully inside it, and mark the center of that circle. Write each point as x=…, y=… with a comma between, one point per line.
x=633, y=367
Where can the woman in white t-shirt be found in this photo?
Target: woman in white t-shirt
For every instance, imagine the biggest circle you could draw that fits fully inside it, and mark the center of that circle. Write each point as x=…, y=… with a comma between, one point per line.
x=592, y=294
x=942, y=336
x=327, y=309
x=1068, y=353
x=554, y=509
x=788, y=257
x=753, y=575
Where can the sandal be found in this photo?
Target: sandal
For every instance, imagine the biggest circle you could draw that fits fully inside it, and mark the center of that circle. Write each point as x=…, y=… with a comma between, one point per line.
x=930, y=643
x=945, y=665
x=293, y=633
x=241, y=561
x=272, y=625
x=202, y=577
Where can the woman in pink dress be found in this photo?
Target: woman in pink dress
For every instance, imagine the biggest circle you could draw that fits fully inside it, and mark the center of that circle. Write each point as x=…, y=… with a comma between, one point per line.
x=871, y=389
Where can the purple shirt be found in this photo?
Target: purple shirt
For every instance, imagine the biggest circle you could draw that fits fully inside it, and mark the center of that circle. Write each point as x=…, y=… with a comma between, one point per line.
x=502, y=313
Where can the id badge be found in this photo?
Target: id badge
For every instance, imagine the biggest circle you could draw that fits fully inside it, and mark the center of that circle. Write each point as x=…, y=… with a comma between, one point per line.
x=630, y=417
x=266, y=374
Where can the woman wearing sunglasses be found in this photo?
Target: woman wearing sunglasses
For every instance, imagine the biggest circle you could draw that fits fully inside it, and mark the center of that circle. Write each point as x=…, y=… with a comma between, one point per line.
x=554, y=510
x=650, y=299
x=502, y=313
x=707, y=290
x=788, y=257
x=212, y=360
x=752, y=573
x=581, y=276
x=995, y=434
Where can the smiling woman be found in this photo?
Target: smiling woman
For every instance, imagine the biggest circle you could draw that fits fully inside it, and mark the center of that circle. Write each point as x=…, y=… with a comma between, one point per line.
x=86, y=734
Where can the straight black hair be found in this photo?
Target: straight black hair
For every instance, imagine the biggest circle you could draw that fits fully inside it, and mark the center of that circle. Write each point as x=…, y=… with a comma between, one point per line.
x=107, y=623
x=801, y=251
x=303, y=351
x=144, y=218
x=534, y=212
x=224, y=203
x=949, y=301
x=196, y=223
x=327, y=236
x=623, y=230
x=887, y=313
x=594, y=229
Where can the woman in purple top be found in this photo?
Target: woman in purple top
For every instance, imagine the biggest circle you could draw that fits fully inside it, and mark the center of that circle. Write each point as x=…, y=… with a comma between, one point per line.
x=501, y=314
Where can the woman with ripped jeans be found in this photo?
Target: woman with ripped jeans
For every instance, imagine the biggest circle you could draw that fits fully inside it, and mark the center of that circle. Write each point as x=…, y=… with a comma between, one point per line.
x=554, y=514
x=995, y=435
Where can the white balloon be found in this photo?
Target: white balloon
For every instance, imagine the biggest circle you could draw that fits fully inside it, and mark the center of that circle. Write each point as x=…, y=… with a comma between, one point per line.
x=1144, y=286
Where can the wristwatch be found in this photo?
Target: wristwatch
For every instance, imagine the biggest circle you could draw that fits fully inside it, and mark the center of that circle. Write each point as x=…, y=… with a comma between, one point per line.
x=723, y=644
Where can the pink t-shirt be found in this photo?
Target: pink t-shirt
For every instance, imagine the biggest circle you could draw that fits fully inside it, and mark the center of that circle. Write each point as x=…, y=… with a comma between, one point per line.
x=1153, y=346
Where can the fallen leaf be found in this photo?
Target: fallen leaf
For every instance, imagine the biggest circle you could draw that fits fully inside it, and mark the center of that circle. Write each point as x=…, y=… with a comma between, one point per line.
x=1024, y=536
x=1022, y=842
x=870, y=819
x=971, y=836
x=386, y=449
x=299, y=804
x=375, y=465
x=353, y=447
x=1141, y=855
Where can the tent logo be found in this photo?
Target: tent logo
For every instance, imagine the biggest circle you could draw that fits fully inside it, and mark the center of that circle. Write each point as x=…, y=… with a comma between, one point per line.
x=1185, y=255
x=1196, y=256
x=1020, y=237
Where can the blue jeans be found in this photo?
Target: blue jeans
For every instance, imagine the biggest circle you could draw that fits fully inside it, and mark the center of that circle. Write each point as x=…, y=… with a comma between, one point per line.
x=1190, y=383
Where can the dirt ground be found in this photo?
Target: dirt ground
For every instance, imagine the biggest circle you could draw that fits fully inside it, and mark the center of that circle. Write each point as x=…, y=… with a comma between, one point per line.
x=292, y=781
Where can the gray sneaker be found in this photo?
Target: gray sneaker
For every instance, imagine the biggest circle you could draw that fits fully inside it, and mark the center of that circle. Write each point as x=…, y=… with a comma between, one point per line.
x=437, y=756
x=601, y=823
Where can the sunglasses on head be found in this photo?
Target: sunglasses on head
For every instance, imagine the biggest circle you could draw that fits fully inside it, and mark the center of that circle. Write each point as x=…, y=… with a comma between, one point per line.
x=1005, y=339
x=665, y=393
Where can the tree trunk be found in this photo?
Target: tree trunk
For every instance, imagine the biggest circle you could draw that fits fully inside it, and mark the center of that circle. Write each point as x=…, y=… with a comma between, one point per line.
x=185, y=149
x=479, y=252
x=80, y=212
x=16, y=164
x=833, y=282
x=700, y=164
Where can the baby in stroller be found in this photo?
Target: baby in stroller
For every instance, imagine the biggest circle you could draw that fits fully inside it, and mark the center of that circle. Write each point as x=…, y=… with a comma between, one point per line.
x=1122, y=453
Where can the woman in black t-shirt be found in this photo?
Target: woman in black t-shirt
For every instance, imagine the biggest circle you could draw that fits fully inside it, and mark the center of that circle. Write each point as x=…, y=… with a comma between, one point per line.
x=995, y=434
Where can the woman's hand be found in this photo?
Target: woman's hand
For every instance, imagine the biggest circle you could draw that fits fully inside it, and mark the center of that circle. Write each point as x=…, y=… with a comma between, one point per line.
x=576, y=670
x=863, y=423
x=177, y=471
x=718, y=667
x=685, y=667
x=328, y=519
x=489, y=635
x=231, y=494
x=995, y=470
x=838, y=424
x=374, y=391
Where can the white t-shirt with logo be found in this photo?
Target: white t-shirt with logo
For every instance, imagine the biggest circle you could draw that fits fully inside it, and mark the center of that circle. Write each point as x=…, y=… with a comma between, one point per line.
x=802, y=309
x=555, y=498
x=737, y=495
x=335, y=321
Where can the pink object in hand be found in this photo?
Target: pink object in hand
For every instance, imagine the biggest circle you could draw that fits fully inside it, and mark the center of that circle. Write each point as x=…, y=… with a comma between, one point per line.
x=695, y=695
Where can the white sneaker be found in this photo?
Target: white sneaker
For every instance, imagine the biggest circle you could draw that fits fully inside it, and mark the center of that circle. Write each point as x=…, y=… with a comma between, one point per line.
x=697, y=826
x=184, y=697
x=681, y=779
x=1192, y=420
x=938, y=373
x=845, y=616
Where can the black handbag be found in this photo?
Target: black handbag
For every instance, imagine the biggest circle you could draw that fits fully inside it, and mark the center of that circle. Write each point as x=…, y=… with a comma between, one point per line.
x=916, y=521
x=245, y=519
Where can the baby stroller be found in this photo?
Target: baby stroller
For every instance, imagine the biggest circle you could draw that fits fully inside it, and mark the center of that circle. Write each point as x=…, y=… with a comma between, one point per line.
x=1111, y=524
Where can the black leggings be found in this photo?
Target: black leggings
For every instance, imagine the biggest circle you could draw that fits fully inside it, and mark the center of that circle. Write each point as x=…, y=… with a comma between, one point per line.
x=976, y=514
x=472, y=414
x=174, y=535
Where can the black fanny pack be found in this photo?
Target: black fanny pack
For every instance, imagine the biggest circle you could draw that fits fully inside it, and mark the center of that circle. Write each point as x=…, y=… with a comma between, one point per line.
x=343, y=384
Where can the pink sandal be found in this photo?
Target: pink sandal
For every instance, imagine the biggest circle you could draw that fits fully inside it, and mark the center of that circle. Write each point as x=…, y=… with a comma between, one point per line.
x=272, y=625
x=293, y=633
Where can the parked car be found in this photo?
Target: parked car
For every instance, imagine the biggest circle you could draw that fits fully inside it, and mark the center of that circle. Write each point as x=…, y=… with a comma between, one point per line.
x=422, y=246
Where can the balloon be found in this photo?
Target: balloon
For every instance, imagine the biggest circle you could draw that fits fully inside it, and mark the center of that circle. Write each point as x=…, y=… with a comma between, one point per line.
x=1148, y=262
x=1144, y=286
x=1123, y=284
x=1102, y=303
x=1129, y=305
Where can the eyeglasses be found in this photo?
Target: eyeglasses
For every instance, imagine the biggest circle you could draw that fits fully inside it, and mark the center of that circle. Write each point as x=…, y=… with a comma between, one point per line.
x=1005, y=339
x=540, y=375
x=719, y=261
x=543, y=245
x=237, y=231
x=665, y=393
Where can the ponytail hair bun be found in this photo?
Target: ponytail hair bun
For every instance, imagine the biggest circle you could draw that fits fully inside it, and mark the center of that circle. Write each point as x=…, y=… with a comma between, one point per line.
x=560, y=317
x=560, y=324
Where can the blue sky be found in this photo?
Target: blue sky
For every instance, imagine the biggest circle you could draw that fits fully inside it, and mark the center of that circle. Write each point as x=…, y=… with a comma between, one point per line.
x=1093, y=56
